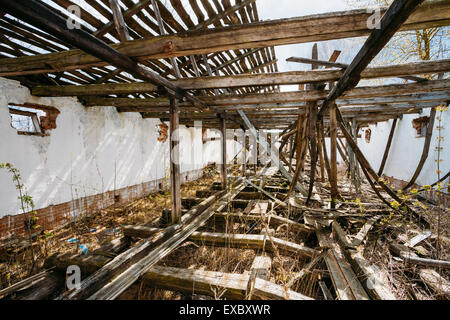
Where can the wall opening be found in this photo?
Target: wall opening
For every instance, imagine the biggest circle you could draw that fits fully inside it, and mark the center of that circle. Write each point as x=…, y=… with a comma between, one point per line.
x=421, y=126
x=31, y=119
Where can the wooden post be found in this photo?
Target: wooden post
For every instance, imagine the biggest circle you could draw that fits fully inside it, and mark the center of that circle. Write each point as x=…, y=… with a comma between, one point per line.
x=312, y=131
x=244, y=165
x=388, y=147
x=223, y=168
x=351, y=159
x=321, y=157
x=175, y=184
x=356, y=178
x=333, y=156
x=235, y=143
x=426, y=149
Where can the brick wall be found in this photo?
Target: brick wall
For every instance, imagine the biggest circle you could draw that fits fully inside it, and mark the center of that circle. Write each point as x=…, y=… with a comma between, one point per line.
x=57, y=215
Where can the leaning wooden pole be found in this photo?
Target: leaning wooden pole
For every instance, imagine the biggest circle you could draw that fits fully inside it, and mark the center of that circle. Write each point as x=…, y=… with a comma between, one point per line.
x=388, y=147
x=175, y=184
x=333, y=156
x=426, y=149
x=313, y=134
x=223, y=168
x=364, y=163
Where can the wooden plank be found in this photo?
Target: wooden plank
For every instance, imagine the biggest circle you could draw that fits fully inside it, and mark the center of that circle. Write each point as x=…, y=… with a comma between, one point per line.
x=342, y=66
x=374, y=281
x=265, y=146
x=261, y=267
x=271, y=219
x=261, y=34
x=129, y=257
x=252, y=242
x=223, y=165
x=114, y=288
x=362, y=234
x=346, y=284
x=37, y=14
x=361, y=93
x=218, y=285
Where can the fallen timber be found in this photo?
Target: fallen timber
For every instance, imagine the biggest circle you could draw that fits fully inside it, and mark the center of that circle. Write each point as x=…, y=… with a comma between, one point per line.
x=123, y=261
x=232, y=286
x=114, y=288
x=374, y=282
x=249, y=241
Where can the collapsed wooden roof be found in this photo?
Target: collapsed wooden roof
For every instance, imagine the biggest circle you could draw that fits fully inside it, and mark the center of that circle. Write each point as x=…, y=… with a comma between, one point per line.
x=218, y=55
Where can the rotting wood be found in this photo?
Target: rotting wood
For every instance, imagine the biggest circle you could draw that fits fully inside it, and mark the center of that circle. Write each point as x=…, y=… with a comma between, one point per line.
x=129, y=257
x=346, y=284
x=251, y=241
x=426, y=149
x=114, y=288
x=374, y=281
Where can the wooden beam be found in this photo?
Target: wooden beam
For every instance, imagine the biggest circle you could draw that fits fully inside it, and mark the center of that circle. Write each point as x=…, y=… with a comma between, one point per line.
x=333, y=157
x=254, y=35
x=397, y=14
x=434, y=90
x=261, y=79
x=114, y=288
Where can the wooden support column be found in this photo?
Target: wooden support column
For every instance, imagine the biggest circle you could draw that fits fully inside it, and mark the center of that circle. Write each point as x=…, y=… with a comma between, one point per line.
x=356, y=177
x=351, y=160
x=388, y=147
x=223, y=168
x=312, y=131
x=426, y=149
x=321, y=156
x=244, y=165
x=333, y=156
x=175, y=185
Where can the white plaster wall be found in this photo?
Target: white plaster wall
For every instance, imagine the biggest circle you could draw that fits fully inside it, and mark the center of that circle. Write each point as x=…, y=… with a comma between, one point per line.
x=406, y=149
x=92, y=150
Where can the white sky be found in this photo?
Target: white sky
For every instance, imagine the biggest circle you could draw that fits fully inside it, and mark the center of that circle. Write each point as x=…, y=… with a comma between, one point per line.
x=278, y=9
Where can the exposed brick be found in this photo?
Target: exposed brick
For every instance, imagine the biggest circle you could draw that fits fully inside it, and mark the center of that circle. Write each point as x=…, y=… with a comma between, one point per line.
x=56, y=215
